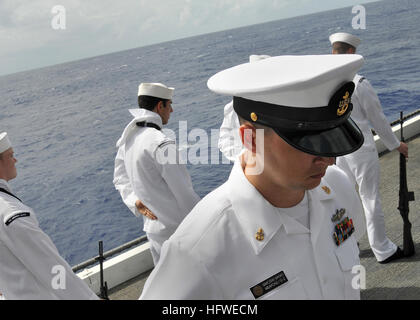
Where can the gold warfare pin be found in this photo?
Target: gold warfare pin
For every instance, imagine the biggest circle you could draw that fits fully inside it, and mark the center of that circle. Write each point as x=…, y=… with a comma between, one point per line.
x=338, y=215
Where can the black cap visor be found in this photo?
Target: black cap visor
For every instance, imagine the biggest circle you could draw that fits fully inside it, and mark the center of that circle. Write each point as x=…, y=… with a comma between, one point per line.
x=341, y=140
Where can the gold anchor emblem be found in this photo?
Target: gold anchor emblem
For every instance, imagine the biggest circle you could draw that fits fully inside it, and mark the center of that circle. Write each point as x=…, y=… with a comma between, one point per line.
x=344, y=104
x=260, y=235
x=326, y=189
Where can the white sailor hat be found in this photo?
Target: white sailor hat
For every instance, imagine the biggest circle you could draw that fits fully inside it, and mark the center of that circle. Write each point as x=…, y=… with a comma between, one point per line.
x=157, y=90
x=305, y=99
x=346, y=38
x=4, y=142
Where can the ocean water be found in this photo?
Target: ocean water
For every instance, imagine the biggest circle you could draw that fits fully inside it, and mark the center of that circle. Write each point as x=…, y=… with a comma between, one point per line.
x=64, y=120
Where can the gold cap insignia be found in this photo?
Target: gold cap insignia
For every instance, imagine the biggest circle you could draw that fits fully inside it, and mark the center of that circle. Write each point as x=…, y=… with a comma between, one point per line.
x=344, y=104
x=326, y=189
x=260, y=235
x=254, y=116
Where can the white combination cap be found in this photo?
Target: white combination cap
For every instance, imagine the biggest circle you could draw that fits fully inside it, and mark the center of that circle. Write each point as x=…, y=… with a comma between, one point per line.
x=305, y=99
x=346, y=38
x=296, y=81
x=4, y=142
x=157, y=90
x=258, y=57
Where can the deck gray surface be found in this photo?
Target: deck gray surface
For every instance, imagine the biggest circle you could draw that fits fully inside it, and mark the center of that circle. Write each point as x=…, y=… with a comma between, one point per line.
x=396, y=280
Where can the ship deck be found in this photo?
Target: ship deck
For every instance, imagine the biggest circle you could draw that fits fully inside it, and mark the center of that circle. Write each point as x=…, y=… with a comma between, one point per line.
x=396, y=280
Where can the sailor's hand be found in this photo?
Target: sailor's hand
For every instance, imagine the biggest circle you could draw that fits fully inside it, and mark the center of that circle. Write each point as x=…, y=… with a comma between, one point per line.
x=145, y=210
x=403, y=149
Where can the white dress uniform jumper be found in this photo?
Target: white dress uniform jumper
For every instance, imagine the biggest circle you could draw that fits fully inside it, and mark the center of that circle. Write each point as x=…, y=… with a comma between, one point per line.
x=362, y=166
x=235, y=244
x=28, y=257
x=141, y=173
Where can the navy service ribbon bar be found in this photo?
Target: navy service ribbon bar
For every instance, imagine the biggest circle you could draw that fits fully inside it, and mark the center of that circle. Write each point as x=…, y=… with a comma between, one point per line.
x=343, y=231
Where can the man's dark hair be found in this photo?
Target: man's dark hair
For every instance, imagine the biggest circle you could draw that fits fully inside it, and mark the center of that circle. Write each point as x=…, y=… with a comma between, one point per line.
x=149, y=102
x=342, y=47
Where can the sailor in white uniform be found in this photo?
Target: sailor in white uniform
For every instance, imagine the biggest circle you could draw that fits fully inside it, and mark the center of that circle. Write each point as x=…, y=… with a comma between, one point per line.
x=147, y=168
x=363, y=165
x=230, y=143
x=286, y=231
x=31, y=267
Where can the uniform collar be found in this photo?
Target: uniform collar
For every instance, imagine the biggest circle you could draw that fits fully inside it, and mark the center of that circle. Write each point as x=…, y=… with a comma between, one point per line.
x=5, y=185
x=356, y=78
x=140, y=114
x=320, y=207
x=253, y=211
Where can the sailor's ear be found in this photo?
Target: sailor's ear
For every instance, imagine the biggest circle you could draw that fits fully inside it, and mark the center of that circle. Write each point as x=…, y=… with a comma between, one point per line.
x=247, y=132
x=159, y=108
x=159, y=105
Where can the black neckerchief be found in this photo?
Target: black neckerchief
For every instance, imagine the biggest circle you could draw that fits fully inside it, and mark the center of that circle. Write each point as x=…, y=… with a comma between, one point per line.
x=148, y=124
x=9, y=193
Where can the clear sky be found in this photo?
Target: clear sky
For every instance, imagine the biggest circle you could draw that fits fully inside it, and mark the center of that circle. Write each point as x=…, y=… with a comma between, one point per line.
x=31, y=37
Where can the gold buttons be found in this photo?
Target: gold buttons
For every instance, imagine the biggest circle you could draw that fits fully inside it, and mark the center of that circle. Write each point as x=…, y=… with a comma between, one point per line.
x=260, y=234
x=254, y=116
x=326, y=189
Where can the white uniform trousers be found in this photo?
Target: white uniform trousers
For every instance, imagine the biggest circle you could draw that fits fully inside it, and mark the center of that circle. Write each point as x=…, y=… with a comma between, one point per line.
x=364, y=167
x=156, y=241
